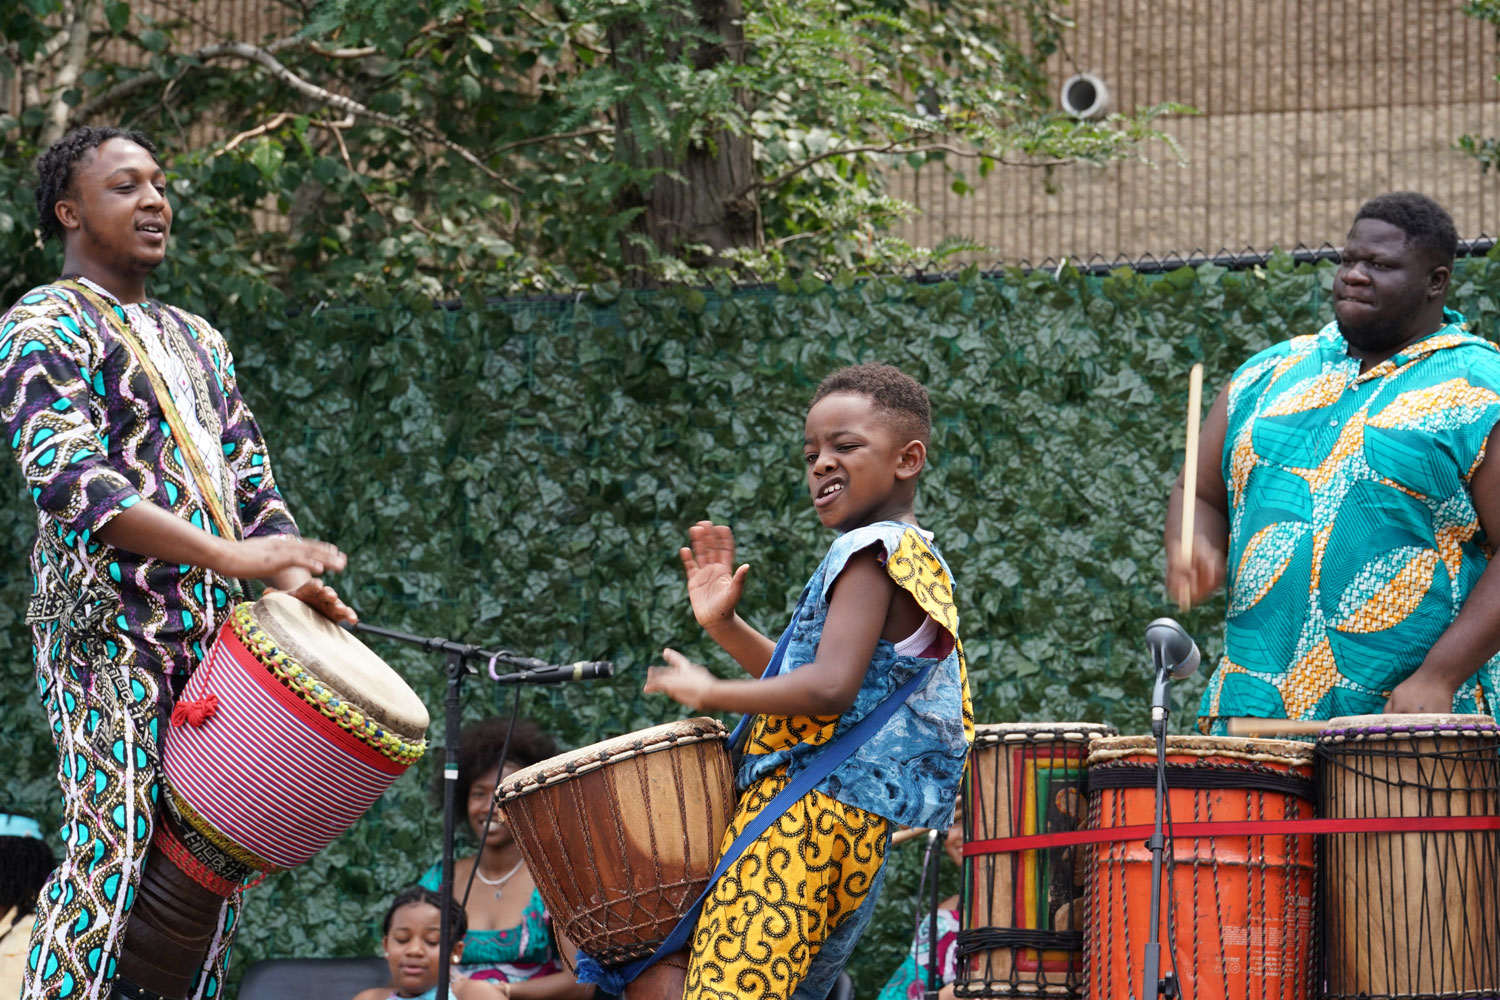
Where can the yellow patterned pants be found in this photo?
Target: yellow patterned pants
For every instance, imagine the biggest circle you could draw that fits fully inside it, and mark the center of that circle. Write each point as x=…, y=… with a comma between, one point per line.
x=785, y=917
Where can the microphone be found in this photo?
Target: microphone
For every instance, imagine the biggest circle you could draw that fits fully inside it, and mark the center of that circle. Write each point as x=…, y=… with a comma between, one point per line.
x=1172, y=648
x=583, y=670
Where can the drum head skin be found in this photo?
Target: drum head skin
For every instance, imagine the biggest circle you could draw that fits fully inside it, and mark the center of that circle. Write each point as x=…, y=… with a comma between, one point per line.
x=342, y=662
x=1233, y=747
x=596, y=755
x=1018, y=732
x=1366, y=727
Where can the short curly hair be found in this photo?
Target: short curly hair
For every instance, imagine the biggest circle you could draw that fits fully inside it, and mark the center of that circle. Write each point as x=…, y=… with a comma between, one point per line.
x=25, y=863
x=54, y=170
x=479, y=746
x=899, y=399
x=458, y=920
x=1426, y=224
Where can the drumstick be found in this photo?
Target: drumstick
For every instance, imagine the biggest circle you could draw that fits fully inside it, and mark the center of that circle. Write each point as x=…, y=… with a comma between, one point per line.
x=908, y=833
x=1190, y=476
x=1271, y=727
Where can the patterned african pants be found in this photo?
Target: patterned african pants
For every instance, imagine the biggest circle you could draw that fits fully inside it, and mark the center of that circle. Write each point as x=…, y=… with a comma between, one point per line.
x=107, y=732
x=785, y=918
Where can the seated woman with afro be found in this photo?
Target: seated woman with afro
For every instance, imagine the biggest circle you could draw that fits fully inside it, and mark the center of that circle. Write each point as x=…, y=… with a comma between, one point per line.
x=510, y=933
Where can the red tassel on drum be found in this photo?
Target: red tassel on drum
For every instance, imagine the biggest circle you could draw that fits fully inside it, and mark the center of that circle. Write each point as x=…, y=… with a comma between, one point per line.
x=195, y=713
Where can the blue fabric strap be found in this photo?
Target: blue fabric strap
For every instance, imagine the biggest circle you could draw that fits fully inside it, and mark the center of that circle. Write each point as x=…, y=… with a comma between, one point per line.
x=773, y=667
x=816, y=769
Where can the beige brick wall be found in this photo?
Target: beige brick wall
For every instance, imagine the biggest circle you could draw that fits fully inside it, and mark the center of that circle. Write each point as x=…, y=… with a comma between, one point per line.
x=1307, y=108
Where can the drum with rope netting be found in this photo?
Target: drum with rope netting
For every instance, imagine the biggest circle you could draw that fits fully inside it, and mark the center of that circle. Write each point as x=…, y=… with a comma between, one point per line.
x=1237, y=908
x=622, y=836
x=282, y=739
x=1021, y=911
x=1414, y=911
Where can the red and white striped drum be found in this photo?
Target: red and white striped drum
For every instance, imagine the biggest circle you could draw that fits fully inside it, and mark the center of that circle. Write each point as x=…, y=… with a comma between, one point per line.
x=304, y=708
x=282, y=739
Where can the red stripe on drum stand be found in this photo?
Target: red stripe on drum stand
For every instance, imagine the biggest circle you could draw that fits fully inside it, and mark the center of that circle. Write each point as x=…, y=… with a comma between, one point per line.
x=1246, y=828
x=261, y=776
x=308, y=712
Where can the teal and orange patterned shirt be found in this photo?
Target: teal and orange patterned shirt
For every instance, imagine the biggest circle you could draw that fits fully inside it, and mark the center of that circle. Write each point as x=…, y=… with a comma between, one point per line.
x=1353, y=538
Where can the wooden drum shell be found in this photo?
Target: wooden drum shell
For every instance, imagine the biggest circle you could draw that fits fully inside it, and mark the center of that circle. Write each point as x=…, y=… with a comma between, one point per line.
x=622, y=836
x=1022, y=779
x=1237, y=911
x=1411, y=914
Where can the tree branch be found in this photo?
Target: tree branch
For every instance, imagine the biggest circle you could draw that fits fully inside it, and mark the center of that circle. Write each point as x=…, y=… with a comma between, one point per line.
x=129, y=88
x=266, y=58
x=895, y=149
x=75, y=51
x=276, y=121
x=359, y=53
x=576, y=133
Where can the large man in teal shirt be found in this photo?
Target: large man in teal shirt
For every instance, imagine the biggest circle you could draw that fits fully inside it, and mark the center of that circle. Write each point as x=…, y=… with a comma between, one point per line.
x=1349, y=493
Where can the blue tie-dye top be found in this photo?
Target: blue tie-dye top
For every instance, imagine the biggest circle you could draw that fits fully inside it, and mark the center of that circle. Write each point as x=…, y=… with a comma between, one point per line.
x=909, y=770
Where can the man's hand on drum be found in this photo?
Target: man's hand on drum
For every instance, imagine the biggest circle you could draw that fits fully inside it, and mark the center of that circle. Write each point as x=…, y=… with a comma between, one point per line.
x=277, y=559
x=714, y=585
x=291, y=564
x=681, y=679
x=1421, y=693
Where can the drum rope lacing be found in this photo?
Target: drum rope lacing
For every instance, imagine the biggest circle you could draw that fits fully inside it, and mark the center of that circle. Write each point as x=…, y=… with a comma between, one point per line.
x=1445, y=887
x=1224, y=776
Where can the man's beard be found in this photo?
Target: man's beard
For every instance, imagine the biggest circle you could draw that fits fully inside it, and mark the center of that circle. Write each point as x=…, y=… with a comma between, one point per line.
x=1378, y=334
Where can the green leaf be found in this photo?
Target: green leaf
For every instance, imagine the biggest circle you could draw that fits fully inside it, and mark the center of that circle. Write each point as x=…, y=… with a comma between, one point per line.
x=116, y=15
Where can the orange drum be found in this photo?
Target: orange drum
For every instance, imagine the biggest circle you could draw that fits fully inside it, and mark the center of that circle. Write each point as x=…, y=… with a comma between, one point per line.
x=1237, y=911
x=1412, y=914
x=1022, y=911
x=622, y=836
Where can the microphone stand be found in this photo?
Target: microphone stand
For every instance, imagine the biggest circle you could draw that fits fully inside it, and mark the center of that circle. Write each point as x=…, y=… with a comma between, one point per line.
x=457, y=662
x=1158, y=986
x=934, y=864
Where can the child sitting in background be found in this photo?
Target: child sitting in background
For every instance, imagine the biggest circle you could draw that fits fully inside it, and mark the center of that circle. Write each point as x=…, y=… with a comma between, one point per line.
x=410, y=937
x=909, y=981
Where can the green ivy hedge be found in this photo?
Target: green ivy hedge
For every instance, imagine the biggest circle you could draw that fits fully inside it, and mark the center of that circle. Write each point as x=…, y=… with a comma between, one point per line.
x=523, y=474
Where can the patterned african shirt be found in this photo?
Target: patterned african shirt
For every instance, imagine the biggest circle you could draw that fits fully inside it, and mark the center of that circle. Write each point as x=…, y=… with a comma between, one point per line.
x=909, y=770
x=92, y=441
x=1353, y=539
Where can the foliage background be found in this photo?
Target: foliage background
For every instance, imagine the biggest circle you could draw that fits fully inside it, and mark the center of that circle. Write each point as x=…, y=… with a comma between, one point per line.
x=521, y=473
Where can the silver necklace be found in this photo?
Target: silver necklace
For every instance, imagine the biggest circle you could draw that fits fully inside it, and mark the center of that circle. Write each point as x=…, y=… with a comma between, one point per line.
x=496, y=883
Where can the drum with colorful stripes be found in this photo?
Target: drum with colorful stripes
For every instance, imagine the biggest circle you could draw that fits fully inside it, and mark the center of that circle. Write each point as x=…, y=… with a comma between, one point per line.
x=281, y=740
x=1412, y=899
x=1021, y=920
x=1237, y=905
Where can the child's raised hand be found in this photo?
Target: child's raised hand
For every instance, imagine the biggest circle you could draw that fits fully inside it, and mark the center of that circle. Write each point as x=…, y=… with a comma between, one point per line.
x=681, y=679
x=714, y=586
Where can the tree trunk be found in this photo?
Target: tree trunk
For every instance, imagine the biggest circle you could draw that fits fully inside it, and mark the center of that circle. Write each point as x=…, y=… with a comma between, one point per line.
x=703, y=201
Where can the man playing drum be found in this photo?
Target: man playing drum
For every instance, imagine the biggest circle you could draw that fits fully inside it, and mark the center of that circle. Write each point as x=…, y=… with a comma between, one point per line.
x=154, y=496
x=1349, y=489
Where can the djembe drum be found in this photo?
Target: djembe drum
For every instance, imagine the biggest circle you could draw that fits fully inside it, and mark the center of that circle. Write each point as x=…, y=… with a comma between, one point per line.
x=1412, y=912
x=622, y=836
x=1021, y=911
x=310, y=728
x=1237, y=911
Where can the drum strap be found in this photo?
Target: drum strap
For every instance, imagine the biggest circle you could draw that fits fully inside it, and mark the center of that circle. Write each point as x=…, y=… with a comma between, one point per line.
x=1238, y=828
x=818, y=767
x=217, y=510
